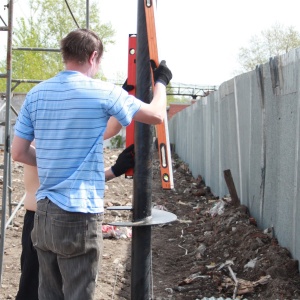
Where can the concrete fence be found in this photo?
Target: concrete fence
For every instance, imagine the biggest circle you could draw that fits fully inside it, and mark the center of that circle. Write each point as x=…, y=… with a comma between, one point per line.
x=251, y=126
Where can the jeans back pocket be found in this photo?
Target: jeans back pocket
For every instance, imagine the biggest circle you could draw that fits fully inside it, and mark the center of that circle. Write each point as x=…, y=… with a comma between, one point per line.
x=68, y=237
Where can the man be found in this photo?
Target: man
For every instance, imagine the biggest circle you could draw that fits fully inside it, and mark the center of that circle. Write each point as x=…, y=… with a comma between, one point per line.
x=67, y=116
x=28, y=286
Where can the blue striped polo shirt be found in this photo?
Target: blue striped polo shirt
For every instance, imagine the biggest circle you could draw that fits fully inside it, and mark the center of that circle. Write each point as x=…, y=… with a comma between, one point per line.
x=67, y=116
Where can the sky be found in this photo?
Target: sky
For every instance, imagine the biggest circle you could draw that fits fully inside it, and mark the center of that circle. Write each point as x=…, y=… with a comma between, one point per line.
x=199, y=40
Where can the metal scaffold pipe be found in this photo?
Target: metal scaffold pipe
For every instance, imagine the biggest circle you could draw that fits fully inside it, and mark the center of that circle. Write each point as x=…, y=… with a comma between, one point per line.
x=7, y=164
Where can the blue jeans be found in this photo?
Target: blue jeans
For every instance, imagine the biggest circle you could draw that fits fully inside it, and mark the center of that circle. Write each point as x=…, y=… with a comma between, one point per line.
x=69, y=246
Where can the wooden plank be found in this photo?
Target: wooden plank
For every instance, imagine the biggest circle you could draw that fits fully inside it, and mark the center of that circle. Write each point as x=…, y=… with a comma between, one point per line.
x=231, y=188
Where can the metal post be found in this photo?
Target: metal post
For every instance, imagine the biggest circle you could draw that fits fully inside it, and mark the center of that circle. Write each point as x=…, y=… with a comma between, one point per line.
x=87, y=14
x=141, y=236
x=7, y=132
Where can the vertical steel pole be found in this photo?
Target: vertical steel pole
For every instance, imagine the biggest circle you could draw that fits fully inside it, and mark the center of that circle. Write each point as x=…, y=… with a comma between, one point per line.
x=7, y=133
x=87, y=14
x=142, y=184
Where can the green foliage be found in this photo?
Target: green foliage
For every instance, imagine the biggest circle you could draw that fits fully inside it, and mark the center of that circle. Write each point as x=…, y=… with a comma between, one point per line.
x=171, y=99
x=178, y=99
x=48, y=22
x=117, y=141
x=271, y=42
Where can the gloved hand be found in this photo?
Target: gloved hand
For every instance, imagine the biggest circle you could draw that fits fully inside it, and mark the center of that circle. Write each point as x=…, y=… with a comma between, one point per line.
x=124, y=161
x=127, y=87
x=162, y=73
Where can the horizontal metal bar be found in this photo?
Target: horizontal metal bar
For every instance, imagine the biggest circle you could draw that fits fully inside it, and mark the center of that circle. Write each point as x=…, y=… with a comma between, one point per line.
x=26, y=80
x=36, y=49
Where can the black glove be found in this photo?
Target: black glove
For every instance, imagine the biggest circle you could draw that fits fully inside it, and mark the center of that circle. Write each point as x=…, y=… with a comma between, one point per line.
x=127, y=87
x=162, y=73
x=124, y=162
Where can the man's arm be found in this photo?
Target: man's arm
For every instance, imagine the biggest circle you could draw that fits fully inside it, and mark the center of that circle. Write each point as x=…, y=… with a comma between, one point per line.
x=124, y=162
x=109, y=175
x=22, y=151
x=154, y=113
x=113, y=127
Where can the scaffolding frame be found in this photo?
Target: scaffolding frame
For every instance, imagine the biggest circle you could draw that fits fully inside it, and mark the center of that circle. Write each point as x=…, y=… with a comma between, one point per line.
x=7, y=176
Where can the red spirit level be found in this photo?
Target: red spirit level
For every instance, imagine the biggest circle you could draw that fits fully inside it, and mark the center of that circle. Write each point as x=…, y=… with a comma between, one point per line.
x=162, y=130
x=131, y=80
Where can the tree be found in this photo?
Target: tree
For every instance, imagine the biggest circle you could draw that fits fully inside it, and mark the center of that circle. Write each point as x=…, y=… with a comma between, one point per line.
x=271, y=42
x=48, y=22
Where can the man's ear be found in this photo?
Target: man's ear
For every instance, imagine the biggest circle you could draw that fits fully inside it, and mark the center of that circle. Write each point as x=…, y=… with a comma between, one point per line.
x=93, y=56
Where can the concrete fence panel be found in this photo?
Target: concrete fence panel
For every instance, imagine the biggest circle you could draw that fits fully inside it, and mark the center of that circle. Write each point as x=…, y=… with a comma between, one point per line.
x=251, y=126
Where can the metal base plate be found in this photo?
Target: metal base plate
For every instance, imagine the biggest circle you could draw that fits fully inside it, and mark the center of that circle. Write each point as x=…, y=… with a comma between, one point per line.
x=158, y=217
x=119, y=208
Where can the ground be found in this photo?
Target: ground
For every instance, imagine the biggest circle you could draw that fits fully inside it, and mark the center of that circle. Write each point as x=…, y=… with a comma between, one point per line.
x=213, y=249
